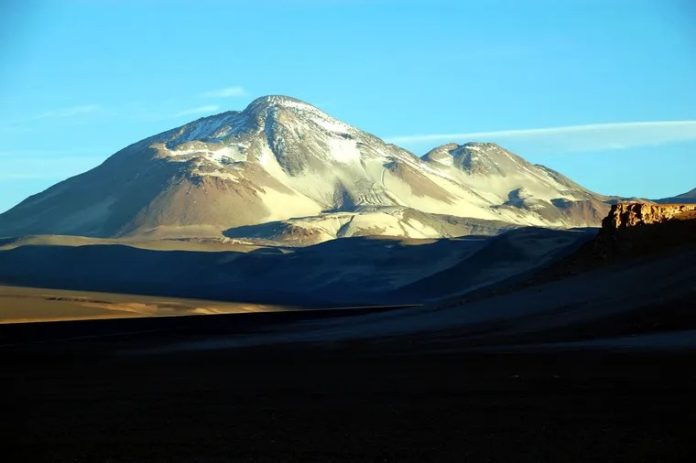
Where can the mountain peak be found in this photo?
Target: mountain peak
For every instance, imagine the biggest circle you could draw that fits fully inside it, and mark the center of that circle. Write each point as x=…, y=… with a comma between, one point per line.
x=279, y=101
x=281, y=158
x=476, y=157
x=482, y=145
x=225, y=125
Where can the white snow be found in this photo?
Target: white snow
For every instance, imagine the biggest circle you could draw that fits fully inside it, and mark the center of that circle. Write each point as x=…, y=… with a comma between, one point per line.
x=343, y=150
x=216, y=153
x=209, y=127
x=331, y=125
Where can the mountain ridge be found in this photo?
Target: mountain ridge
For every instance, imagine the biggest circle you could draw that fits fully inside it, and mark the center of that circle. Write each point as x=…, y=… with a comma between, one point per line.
x=281, y=159
x=688, y=197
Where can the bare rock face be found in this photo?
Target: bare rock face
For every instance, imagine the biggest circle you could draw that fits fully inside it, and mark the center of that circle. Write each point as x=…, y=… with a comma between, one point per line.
x=634, y=214
x=633, y=229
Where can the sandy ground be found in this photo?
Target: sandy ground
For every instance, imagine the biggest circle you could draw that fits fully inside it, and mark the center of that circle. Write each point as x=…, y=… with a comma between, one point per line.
x=154, y=244
x=21, y=305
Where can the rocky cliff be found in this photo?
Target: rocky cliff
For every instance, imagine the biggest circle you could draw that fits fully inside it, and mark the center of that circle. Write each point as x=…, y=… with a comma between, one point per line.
x=633, y=229
x=634, y=214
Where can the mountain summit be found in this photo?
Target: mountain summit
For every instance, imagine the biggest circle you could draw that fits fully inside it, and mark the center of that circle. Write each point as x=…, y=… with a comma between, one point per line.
x=283, y=169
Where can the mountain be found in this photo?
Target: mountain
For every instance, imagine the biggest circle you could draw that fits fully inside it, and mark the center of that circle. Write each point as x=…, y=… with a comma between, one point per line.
x=688, y=197
x=281, y=169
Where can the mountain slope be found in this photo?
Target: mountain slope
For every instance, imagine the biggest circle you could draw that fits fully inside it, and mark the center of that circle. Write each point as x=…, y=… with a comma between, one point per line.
x=688, y=197
x=282, y=159
x=514, y=186
x=368, y=221
x=350, y=271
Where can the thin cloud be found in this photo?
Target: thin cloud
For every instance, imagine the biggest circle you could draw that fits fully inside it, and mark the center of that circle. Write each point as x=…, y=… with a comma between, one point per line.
x=70, y=111
x=227, y=92
x=589, y=137
x=198, y=110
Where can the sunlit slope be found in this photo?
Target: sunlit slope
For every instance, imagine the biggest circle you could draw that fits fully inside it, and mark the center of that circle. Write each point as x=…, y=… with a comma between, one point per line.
x=281, y=159
x=25, y=304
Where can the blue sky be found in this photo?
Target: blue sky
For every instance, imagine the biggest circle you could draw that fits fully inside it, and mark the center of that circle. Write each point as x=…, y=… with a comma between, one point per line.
x=602, y=91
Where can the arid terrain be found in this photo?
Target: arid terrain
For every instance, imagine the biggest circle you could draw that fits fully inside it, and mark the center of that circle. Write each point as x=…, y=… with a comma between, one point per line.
x=588, y=357
x=23, y=304
x=308, y=231
x=407, y=399
x=274, y=285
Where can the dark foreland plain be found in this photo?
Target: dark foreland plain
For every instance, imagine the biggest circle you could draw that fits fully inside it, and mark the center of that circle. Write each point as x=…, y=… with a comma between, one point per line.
x=595, y=364
x=94, y=391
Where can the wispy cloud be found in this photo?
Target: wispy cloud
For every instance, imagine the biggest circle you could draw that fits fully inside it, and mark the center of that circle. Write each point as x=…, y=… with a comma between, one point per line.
x=198, y=110
x=589, y=137
x=227, y=92
x=44, y=164
x=70, y=111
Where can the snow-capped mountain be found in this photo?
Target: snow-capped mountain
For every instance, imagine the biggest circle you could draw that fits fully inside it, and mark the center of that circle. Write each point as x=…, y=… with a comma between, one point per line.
x=283, y=169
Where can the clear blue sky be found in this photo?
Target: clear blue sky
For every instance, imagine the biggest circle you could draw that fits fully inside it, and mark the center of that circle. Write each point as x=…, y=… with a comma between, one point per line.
x=81, y=79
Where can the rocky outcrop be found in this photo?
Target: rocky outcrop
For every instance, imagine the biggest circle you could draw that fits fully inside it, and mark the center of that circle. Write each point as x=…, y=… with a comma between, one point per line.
x=635, y=214
x=633, y=229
